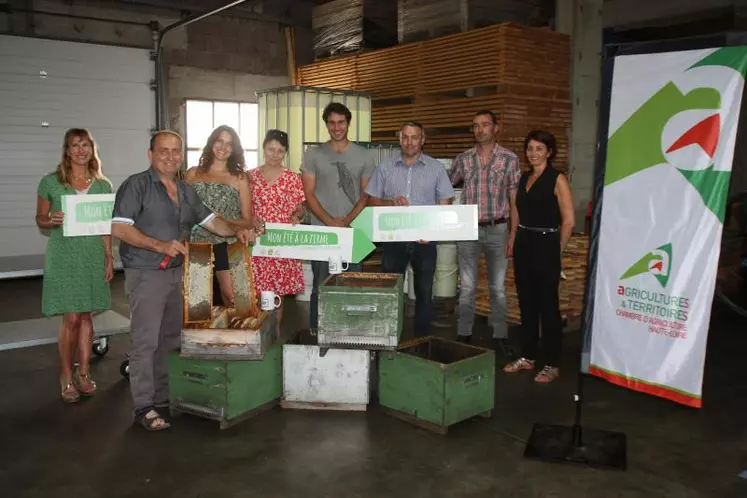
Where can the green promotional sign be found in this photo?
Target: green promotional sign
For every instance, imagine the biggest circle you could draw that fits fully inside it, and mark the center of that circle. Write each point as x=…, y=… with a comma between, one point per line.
x=312, y=243
x=411, y=223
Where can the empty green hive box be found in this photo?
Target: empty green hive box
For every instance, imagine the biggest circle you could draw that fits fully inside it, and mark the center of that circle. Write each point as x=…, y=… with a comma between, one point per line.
x=361, y=310
x=436, y=383
x=226, y=391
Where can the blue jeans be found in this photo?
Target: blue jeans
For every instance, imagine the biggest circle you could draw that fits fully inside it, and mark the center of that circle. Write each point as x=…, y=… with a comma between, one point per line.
x=492, y=241
x=321, y=272
x=422, y=258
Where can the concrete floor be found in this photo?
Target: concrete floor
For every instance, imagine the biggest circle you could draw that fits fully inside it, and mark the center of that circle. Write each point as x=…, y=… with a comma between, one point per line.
x=90, y=449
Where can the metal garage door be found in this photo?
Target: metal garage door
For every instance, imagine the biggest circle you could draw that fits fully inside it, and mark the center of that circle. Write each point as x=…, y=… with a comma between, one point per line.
x=47, y=87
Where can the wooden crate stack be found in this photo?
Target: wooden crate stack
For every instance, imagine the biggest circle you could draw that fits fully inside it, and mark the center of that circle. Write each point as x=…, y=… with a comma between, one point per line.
x=521, y=73
x=571, y=289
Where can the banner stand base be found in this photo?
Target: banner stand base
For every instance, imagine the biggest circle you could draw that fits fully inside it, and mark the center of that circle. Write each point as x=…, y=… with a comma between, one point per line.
x=572, y=444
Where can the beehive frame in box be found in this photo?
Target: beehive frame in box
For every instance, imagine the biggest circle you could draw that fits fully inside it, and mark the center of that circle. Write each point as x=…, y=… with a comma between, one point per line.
x=242, y=332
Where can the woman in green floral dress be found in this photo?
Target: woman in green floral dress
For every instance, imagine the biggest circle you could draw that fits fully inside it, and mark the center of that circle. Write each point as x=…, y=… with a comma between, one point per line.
x=223, y=186
x=77, y=270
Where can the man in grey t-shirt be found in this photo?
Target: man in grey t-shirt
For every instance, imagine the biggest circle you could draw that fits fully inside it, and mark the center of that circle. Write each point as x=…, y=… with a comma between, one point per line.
x=335, y=175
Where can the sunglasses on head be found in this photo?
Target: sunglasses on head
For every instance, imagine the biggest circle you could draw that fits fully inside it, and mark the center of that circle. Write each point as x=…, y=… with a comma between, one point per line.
x=277, y=134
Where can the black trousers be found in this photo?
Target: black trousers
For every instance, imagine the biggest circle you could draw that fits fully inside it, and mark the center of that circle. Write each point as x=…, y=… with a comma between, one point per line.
x=422, y=258
x=537, y=276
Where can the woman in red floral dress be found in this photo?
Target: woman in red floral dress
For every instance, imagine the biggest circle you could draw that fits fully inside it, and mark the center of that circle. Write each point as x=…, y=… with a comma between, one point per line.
x=277, y=197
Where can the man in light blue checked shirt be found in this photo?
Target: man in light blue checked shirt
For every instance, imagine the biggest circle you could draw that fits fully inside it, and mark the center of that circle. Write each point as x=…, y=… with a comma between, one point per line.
x=412, y=179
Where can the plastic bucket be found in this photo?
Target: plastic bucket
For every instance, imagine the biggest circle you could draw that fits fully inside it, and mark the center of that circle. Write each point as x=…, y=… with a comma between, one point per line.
x=447, y=269
x=446, y=275
x=308, y=281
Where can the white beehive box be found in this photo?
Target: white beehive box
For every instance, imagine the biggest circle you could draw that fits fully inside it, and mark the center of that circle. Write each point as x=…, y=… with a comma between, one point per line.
x=337, y=381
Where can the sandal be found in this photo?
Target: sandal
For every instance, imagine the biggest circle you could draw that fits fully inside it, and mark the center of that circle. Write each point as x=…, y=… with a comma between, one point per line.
x=151, y=420
x=547, y=374
x=69, y=393
x=164, y=409
x=518, y=365
x=85, y=385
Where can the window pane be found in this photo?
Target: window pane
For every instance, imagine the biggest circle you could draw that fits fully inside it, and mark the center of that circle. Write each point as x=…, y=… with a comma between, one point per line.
x=199, y=122
x=227, y=113
x=193, y=158
x=251, y=158
x=249, y=126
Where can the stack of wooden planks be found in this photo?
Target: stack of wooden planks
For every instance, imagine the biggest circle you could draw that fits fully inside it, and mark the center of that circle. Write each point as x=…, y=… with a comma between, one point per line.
x=521, y=73
x=571, y=289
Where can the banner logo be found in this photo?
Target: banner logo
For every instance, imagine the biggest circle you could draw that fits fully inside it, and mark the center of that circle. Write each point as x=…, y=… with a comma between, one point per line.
x=658, y=263
x=681, y=129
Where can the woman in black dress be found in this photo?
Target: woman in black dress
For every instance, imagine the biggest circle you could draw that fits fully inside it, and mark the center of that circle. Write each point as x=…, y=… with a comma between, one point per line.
x=544, y=221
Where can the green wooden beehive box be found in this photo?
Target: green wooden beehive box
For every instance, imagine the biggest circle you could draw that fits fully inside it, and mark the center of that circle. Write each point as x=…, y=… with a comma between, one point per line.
x=361, y=310
x=224, y=390
x=436, y=383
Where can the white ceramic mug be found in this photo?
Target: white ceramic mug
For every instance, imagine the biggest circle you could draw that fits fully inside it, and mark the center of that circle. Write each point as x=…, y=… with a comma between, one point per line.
x=269, y=301
x=337, y=265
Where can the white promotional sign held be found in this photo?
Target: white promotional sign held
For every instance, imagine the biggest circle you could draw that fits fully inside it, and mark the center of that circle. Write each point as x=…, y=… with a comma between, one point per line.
x=89, y=214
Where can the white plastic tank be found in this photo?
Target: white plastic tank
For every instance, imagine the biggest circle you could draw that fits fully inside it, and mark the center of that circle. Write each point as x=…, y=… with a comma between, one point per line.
x=297, y=110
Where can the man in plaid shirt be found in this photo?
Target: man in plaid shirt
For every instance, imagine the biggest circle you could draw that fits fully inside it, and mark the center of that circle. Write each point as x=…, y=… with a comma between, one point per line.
x=491, y=177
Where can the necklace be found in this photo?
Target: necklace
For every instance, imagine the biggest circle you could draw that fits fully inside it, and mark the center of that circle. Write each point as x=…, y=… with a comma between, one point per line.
x=86, y=178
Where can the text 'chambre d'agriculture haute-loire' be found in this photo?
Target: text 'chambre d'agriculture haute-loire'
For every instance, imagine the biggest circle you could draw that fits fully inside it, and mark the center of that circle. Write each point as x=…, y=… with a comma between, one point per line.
x=664, y=314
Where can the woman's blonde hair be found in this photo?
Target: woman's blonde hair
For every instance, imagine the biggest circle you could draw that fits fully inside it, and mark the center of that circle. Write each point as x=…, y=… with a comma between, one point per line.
x=65, y=167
